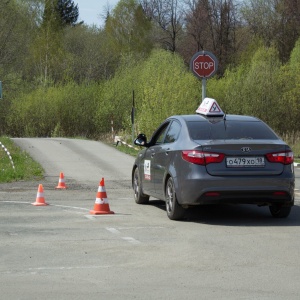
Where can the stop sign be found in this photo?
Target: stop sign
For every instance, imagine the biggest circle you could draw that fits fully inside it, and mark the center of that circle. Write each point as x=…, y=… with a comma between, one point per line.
x=204, y=64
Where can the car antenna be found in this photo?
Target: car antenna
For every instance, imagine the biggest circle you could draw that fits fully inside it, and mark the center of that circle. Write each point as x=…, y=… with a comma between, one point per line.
x=224, y=118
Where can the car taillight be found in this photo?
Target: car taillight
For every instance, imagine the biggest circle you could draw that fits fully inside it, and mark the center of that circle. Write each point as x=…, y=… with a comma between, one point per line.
x=285, y=158
x=279, y=193
x=202, y=158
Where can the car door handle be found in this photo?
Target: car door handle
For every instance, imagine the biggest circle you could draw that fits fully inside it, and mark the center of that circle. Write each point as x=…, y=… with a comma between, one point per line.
x=152, y=153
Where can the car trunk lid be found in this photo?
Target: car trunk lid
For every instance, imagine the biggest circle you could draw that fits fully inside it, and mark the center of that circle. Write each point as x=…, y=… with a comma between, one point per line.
x=244, y=157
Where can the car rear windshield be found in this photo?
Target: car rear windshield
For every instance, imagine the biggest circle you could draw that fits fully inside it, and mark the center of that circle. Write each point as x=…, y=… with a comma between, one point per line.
x=228, y=130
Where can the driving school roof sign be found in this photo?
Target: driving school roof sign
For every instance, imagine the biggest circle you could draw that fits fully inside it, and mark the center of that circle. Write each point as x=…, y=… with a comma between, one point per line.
x=210, y=107
x=204, y=64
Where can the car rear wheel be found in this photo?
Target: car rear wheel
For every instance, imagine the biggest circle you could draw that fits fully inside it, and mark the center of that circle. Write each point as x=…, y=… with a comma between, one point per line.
x=279, y=211
x=139, y=197
x=174, y=210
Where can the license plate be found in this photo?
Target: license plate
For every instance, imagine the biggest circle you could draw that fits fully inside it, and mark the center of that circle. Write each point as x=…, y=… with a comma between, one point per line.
x=240, y=161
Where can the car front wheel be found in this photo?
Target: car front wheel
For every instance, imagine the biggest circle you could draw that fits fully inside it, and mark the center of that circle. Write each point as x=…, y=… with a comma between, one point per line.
x=279, y=211
x=139, y=197
x=174, y=210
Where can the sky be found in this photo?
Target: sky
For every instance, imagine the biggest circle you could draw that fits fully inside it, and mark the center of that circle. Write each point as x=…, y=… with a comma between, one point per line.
x=90, y=11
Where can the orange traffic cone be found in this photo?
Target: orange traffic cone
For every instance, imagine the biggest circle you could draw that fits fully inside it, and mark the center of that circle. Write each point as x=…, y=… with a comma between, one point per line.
x=101, y=204
x=61, y=182
x=40, y=200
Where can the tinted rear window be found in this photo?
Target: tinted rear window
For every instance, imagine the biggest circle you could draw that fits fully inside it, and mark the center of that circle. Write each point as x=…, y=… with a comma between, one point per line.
x=229, y=130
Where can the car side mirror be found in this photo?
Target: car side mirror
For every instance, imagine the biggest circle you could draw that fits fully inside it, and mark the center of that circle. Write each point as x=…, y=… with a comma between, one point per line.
x=141, y=140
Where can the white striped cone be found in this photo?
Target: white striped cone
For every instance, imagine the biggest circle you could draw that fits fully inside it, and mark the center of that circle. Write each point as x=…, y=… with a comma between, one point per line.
x=61, y=181
x=40, y=200
x=101, y=204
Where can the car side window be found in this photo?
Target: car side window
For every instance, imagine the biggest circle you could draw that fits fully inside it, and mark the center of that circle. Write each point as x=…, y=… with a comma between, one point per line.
x=173, y=132
x=160, y=135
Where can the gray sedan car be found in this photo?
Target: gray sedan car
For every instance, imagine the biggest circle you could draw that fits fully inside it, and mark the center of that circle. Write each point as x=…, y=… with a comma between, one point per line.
x=213, y=158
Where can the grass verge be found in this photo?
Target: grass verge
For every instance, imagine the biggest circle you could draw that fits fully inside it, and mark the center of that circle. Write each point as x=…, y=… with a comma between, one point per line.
x=25, y=168
x=127, y=150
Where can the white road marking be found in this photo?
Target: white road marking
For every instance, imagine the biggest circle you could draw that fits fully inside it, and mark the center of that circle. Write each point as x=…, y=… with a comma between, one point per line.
x=17, y=202
x=57, y=205
x=131, y=240
x=90, y=217
x=126, y=238
x=34, y=271
x=73, y=207
x=113, y=230
x=141, y=227
x=66, y=268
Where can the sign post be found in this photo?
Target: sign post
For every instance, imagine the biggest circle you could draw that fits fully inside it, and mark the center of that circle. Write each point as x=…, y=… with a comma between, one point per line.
x=132, y=116
x=204, y=65
x=0, y=89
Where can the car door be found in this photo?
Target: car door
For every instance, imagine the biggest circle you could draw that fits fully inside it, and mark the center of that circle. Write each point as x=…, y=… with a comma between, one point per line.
x=150, y=159
x=164, y=156
x=148, y=162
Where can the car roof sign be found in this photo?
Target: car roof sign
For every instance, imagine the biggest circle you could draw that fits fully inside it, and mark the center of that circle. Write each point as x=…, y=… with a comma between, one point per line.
x=210, y=107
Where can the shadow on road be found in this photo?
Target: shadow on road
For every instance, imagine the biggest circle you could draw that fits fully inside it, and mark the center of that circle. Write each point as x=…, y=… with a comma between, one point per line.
x=235, y=215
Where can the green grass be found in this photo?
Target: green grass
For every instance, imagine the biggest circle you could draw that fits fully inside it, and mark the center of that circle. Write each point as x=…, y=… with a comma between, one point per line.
x=296, y=150
x=127, y=150
x=25, y=168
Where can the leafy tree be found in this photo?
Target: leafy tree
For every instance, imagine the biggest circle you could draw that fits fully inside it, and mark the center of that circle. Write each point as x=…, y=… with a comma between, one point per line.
x=290, y=78
x=16, y=30
x=168, y=19
x=90, y=44
x=48, y=55
x=197, y=23
x=253, y=88
x=212, y=25
x=128, y=28
x=275, y=21
x=165, y=88
x=288, y=27
x=60, y=13
x=68, y=12
x=51, y=15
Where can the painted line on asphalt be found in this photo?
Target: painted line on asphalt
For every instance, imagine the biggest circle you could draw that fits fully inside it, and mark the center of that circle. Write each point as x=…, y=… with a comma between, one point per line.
x=66, y=206
x=90, y=217
x=131, y=240
x=17, y=202
x=128, y=239
x=113, y=230
x=66, y=268
x=34, y=271
x=141, y=227
x=56, y=205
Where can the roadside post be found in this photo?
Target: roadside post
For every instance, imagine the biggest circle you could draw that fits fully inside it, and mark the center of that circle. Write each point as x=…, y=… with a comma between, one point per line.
x=132, y=116
x=0, y=89
x=204, y=65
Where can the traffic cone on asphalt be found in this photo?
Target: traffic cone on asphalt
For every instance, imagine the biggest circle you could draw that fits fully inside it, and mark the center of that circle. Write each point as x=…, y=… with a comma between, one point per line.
x=101, y=206
x=61, y=182
x=40, y=200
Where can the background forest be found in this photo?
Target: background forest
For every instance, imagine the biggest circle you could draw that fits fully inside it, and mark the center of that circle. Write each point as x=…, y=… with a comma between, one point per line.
x=64, y=78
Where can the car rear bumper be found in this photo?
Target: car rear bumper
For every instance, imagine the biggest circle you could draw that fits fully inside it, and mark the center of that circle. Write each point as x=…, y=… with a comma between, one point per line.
x=260, y=191
x=247, y=197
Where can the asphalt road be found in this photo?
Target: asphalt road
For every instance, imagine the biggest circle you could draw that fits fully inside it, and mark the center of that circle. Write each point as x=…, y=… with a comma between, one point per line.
x=61, y=251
